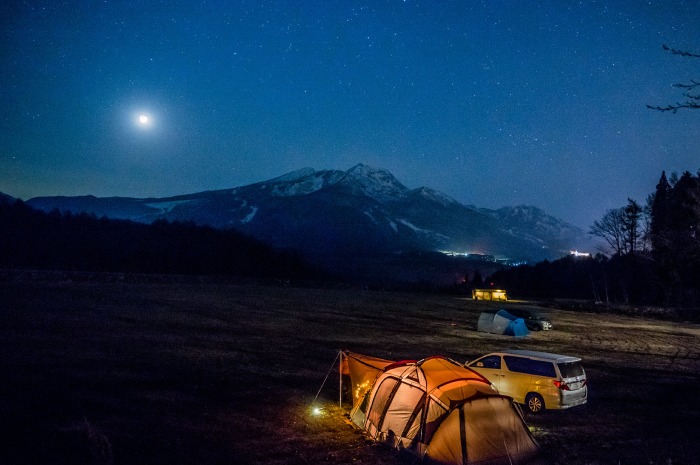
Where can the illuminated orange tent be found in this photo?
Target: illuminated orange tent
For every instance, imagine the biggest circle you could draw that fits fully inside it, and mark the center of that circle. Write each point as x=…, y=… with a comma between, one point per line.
x=438, y=409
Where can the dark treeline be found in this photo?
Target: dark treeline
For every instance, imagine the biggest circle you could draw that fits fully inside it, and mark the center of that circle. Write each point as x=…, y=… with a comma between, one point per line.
x=652, y=255
x=618, y=279
x=81, y=242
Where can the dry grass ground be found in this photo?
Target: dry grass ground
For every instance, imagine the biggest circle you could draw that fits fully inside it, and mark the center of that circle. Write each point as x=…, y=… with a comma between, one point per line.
x=187, y=372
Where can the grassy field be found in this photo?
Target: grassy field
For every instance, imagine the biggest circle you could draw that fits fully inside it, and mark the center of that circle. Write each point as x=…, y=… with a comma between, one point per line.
x=147, y=371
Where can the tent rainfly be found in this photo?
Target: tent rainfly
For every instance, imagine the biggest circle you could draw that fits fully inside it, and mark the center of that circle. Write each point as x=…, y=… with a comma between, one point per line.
x=501, y=322
x=443, y=412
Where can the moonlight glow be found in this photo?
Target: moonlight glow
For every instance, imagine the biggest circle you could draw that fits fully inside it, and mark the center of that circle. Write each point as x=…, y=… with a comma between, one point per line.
x=143, y=120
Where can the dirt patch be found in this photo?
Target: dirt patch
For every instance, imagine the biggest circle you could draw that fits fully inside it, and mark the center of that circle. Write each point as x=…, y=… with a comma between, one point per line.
x=186, y=372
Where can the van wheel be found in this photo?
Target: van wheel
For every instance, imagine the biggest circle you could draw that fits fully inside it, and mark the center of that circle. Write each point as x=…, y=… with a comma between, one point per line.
x=534, y=403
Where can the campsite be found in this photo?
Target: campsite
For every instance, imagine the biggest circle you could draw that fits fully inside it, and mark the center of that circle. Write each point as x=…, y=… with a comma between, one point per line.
x=112, y=369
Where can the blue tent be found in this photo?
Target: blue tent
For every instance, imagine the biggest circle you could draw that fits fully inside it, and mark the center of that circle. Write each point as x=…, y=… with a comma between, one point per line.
x=502, y=322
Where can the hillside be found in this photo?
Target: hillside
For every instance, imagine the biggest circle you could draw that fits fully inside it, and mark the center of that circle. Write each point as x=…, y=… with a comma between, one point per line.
x=333, y=216
x=34, y=239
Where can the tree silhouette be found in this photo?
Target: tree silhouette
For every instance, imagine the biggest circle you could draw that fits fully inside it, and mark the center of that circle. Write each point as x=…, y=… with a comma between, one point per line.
x=632, y=216
x=611, y=229
x=660, y=236
x=620, y=228
x=693, y=98
x=31, y=238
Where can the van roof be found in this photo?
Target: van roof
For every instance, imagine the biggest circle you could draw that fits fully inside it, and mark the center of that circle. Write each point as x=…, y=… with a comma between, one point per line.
x=543, y=355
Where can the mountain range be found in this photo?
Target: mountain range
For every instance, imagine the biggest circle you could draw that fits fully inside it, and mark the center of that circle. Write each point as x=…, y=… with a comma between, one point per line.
x=336, y=217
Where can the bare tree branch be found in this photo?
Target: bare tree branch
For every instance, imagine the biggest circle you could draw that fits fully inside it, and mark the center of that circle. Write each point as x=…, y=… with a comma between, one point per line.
x=693, y=84
x=611, y=229
x=680, y=52
x=693, y=101
x=676, y=107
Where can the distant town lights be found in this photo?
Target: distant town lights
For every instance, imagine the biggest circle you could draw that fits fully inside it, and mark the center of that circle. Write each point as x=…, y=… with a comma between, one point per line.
x=576, y=253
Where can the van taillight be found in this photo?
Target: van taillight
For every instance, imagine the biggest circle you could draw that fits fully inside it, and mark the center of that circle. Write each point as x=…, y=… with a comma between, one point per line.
x=561, y=385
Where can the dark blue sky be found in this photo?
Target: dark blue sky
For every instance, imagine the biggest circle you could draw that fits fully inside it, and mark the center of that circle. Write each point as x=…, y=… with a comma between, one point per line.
x=493, y=103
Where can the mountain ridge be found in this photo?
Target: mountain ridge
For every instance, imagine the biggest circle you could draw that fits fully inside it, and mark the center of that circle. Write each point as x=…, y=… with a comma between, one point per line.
x=330, y=215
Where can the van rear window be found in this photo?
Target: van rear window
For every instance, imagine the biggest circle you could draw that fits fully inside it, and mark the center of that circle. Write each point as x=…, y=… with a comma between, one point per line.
x=529, y=366
x=570, y=370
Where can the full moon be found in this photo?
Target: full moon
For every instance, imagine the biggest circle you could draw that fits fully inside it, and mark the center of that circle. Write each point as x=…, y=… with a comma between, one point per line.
x=143, y=119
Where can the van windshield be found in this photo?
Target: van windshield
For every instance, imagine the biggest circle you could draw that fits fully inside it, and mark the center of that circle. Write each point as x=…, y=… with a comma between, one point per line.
x=570, y=369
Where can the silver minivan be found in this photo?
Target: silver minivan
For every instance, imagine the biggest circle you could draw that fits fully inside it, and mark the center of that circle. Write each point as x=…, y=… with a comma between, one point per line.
x=538, y=380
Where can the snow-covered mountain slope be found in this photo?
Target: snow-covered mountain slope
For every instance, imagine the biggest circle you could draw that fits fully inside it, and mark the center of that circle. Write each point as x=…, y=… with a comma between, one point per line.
x=364, y=211
x=532, y=222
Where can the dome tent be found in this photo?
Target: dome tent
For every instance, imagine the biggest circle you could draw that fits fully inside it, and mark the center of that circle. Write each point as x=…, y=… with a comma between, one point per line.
x=438, y=409
x=502, y=322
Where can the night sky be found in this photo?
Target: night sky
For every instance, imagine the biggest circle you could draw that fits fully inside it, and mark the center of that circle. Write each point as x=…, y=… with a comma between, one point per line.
x=493, y=102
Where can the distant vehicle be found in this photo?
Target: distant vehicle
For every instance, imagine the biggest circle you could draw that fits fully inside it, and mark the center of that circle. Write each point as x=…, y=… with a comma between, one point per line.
x=538, y=380
x=533, y=320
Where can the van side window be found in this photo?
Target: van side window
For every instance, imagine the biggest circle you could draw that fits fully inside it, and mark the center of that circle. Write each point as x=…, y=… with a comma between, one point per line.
x=516, y=364
x=492, y=361
x=529, y=366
